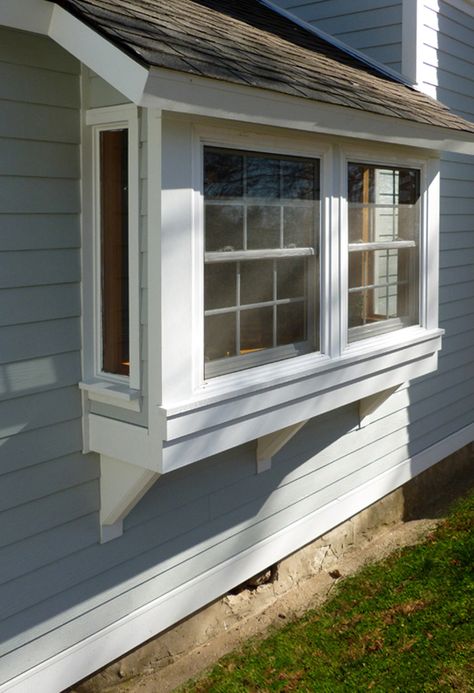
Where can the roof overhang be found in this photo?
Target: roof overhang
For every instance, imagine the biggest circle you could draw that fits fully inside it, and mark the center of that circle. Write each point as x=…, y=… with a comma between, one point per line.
x=174, y=91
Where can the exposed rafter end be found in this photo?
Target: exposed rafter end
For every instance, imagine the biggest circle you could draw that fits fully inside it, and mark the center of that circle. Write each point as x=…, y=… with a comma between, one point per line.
x=269, y=445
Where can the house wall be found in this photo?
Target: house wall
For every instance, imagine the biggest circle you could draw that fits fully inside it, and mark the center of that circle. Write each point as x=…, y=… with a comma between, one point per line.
x=372, y=26
x=59, y=584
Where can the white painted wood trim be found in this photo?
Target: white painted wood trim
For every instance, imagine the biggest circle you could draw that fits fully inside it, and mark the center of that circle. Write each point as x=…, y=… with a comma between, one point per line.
x=122, y=441
x=98, y=120
x=412, y=40
x=122, y=485
x=181, y=93
x=368, y=405
x=271, y=444
x=118, y=69
x=82, y=659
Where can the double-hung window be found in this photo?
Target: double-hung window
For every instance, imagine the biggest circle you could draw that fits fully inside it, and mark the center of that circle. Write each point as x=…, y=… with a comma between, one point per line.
x=261, y=276
x=384, y=239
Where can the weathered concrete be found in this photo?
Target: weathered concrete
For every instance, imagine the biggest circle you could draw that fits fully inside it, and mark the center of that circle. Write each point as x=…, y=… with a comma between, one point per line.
x=302, y=580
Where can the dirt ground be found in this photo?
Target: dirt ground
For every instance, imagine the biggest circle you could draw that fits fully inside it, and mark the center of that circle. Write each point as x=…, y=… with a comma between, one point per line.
x=311, y=593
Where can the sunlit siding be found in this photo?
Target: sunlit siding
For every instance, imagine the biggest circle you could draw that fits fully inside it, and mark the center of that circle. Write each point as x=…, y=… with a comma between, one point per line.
x=371, y=26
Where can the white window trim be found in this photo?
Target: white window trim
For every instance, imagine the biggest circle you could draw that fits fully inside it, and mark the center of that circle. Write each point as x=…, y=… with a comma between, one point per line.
x=360, y=155
x=191, y=418
x=108, y=388
x=209, y=416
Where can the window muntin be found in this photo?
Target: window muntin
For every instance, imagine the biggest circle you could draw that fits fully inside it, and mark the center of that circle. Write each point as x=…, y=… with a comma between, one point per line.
x=261, y=221
x=114, y=247
x=384, y=238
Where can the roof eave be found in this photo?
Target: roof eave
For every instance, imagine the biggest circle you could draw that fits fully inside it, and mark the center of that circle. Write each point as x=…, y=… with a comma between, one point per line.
x=183, y=93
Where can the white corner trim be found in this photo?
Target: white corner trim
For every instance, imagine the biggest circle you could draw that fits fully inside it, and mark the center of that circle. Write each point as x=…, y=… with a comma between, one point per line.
x=82, y=659
x=363, y=57
x=412, y=40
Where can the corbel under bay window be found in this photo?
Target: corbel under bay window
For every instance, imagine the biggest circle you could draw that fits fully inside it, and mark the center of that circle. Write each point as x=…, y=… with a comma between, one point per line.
x=112, y=355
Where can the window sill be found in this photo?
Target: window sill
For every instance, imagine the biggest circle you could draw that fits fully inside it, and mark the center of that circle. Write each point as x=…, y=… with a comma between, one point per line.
x=237, y=408
x=233, y=409
x=113, y=393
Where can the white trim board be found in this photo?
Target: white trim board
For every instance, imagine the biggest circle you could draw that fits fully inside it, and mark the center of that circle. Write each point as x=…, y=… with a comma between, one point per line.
x=82, y=659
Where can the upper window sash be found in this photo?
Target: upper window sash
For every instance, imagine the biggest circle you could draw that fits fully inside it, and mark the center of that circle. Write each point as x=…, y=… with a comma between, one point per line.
x=102, y=121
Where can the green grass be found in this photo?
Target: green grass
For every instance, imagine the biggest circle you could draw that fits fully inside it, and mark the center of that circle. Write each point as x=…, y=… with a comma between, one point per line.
x=405, y=624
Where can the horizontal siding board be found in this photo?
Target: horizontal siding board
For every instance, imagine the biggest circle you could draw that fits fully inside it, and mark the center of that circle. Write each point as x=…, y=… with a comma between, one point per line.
x=31, y=268
x=20, y=342
x=47, y=547
x=39, y=123
x=46, y=479
x=29, y=448
x=50, y=511
x=36, y=374
x=87, y=571
x=39, y=410
x=38, y=159
x=34, y=85
x=101, y=94
x=20, y=48
x=47, y=231
x=39, y=195
x=458, y=258
x=38, y=303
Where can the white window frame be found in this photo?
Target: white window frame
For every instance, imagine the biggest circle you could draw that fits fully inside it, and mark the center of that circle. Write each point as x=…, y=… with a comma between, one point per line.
x=277, y=353
x=109, y=388
x=391, y=160
x=191, y=418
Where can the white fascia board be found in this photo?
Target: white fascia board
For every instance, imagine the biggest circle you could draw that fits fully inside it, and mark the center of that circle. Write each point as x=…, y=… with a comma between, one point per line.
x=92, y=49
x=181, y=93
x=27, y=15
x=95, y=651
x=113, y=65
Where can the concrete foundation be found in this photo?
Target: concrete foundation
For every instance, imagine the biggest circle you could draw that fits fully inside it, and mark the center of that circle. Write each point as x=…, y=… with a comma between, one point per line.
x=300, y=581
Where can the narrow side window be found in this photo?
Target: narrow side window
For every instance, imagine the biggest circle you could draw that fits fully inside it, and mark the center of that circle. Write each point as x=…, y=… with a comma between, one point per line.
x=114, y=248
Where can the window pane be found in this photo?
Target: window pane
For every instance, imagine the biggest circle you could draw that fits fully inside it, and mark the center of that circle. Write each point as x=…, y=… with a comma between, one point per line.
x=384, y=207
x=114, y=251
x=256, y=281
x=263, y=227
x=291, y=278
x=223, y=174
x=275, y=205
x=291, y=323
x=224, y=226
x=220, y=285
x=263, y=177
x=219, y=336
x=299, y=180
x=256, y=329
x=299, y=226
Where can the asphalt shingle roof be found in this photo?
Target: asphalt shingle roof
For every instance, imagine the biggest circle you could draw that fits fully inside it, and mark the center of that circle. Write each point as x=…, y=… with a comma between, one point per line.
x=245, y=42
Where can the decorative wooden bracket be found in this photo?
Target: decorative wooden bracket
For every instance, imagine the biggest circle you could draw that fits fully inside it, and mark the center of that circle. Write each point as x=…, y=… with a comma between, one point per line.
x=122, y=485
x=370, y=404
x=269, y=445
